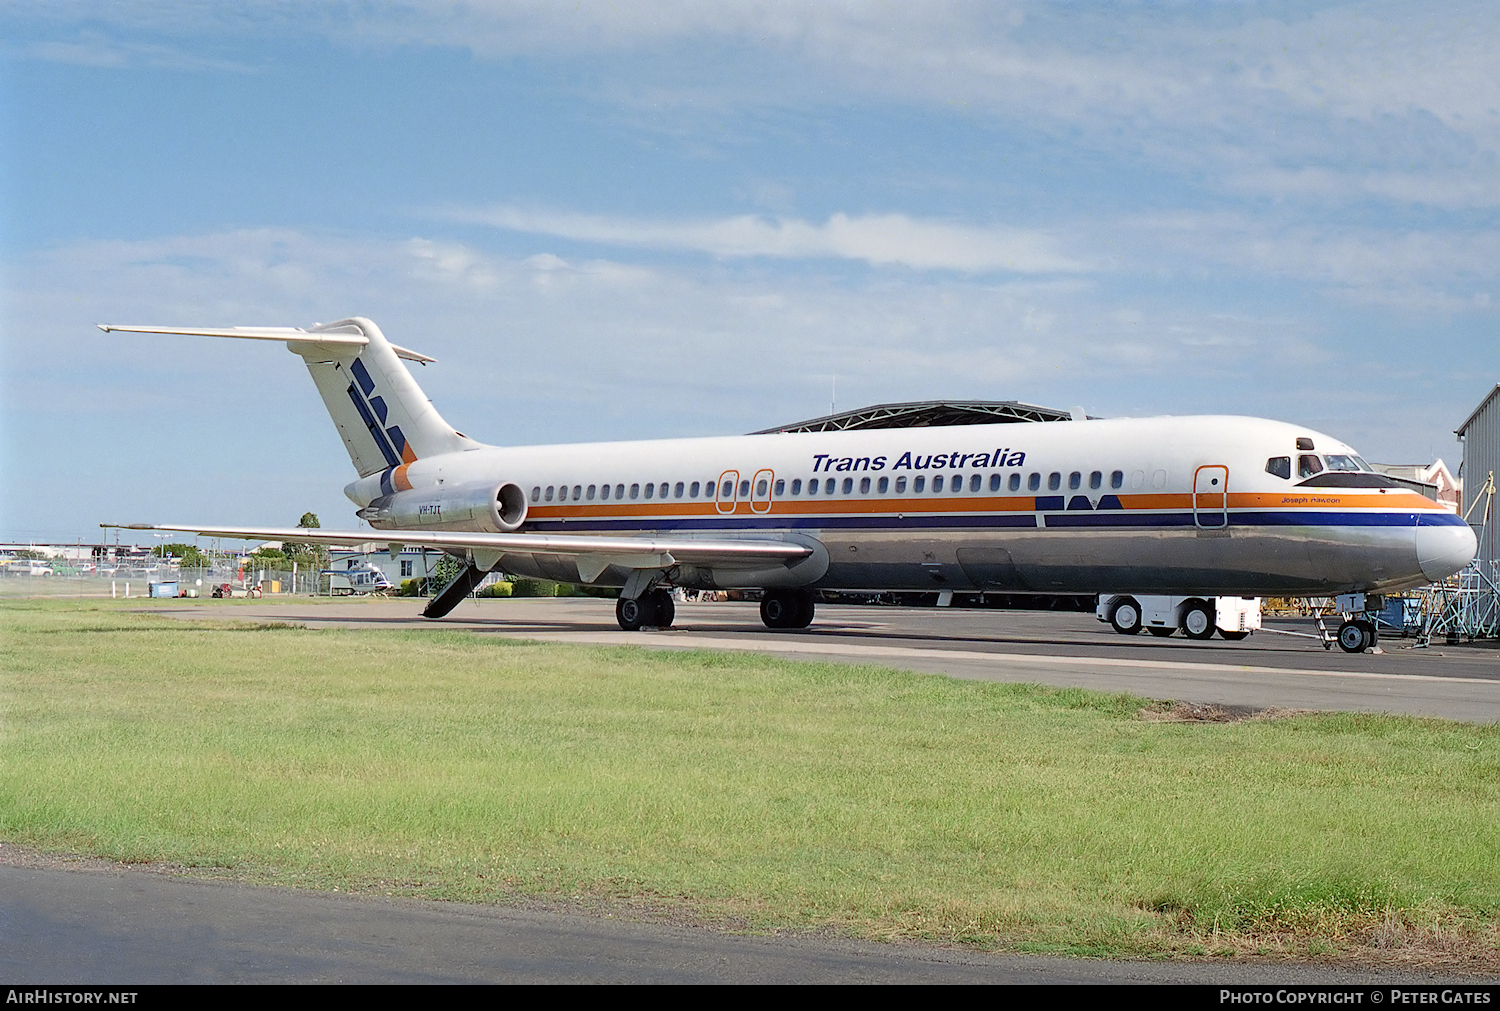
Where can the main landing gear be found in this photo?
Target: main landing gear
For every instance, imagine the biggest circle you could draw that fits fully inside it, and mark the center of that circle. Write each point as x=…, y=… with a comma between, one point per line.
x=787, y=608
x=654, y=608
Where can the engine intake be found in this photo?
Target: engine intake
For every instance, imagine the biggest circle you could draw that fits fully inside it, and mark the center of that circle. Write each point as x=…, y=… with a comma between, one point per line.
x=482, y=507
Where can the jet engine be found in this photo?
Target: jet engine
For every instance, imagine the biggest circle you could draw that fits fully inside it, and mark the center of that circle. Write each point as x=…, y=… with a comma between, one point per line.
x=481, y=507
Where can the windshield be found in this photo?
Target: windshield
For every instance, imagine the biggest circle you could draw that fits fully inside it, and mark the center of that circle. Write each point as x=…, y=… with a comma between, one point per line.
x=1337, y=461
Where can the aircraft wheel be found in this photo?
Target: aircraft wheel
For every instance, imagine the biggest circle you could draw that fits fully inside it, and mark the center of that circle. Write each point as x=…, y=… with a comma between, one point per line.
x=807, y=606
x=1125, y=616
x=1233, y=636
x=779, y=609
x=662, y=607
x=1198, y=621
x=1353, y=637
x=1160, y=632
x=633, y=612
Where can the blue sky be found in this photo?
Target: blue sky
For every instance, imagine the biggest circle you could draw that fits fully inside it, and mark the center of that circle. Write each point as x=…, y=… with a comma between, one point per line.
x=617, y=220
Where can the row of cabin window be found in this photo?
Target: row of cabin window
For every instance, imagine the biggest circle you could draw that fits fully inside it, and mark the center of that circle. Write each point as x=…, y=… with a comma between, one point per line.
x=829, y=486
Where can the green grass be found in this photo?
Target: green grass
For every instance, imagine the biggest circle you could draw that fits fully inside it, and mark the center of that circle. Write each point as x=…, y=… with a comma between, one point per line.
x=735, y=787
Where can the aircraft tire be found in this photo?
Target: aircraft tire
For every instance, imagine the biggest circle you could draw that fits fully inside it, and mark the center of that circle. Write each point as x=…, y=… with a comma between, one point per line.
x=662, y=609
x=1353, y=637
x=1125, y=616
x=807, y=607
x=1233, y=636
x=1198, y=621
x=634, y=612
x=1161, y=632
x=778, y=609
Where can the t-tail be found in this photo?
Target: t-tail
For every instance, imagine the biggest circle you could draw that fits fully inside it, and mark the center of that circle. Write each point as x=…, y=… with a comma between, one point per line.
x=386, y=421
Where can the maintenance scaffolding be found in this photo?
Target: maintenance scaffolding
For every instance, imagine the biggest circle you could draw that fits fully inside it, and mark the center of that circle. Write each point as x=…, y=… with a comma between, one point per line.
x=1466, y=605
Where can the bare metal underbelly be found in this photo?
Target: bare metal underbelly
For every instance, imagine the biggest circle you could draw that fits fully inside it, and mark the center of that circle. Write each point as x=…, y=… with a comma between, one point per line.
x=1260, y=561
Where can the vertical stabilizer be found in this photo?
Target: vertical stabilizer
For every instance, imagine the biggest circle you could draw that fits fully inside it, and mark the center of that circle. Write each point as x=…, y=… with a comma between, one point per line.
x=384, y=418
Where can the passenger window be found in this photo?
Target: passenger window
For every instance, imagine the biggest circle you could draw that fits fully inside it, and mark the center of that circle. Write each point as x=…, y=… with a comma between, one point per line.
x=1015, y=482
x=1307, y=466
x=957, y=484
x=864, y=486
x=727, y=491
x=885, y=484
x=975, y=481
x=619, y=491
x=1281, y=466
x=604, y=491
x=744, y=489
x=780, y=487
x=591, y=491
x=812, y=487
x=677, y=491
x=900, y=486
x=1138, y=479
x=693, y=490
x=1075, y=481
x=937, y=483
x=635, y=491
x=797, y=486
x=828, y=487
x=1096, y=479
x=918, y=483
x=1158, y=479
x=577, y=492
x=649, y=489
x=1034, y=482
x=548, y=496
x=1117, y=479
x=536, y=493
x=1054, y=481
x=848, y=485
x=760, y=489
x=994, y=482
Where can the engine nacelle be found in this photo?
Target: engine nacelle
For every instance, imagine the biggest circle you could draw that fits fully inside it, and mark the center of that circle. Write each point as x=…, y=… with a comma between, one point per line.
x=481, y=507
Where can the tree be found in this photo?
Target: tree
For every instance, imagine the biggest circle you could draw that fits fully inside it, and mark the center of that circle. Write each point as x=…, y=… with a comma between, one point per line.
x=307, y=556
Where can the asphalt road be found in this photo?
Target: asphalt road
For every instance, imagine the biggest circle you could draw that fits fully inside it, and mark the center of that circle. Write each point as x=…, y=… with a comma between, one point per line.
x=1281, y=667
x=119, y=927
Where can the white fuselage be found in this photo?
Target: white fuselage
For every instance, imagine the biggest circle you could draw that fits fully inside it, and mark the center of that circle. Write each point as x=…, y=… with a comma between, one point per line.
x=1164, y=505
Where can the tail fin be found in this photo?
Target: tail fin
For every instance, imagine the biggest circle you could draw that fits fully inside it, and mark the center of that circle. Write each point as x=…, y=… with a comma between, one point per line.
x=381, y=413
x=384, y=418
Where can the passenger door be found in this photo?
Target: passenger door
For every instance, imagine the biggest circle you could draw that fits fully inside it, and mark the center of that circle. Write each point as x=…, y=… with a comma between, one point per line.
x=1211, y=496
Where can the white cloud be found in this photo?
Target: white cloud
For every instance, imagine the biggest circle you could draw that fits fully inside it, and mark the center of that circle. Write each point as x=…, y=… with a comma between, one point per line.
x=878, y=239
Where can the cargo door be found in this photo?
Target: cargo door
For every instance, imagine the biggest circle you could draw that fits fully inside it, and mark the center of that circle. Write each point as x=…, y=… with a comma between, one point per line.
x=1211, y=497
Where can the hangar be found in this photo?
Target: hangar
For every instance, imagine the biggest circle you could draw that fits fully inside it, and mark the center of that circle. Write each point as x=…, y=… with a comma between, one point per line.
x=928, y=414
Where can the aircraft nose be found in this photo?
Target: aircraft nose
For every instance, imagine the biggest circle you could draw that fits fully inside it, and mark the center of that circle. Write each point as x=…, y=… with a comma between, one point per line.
x=1443, y=550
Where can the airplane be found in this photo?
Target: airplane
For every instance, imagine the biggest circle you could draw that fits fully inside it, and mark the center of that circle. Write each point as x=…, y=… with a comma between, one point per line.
x=1191, y=507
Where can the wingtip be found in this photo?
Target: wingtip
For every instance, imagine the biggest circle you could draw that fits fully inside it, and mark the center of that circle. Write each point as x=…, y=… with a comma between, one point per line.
x=104, y=326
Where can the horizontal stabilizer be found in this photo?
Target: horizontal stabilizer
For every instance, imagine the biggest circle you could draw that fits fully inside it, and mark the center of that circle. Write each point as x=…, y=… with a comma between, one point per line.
x=269, y=333
x=626, y=552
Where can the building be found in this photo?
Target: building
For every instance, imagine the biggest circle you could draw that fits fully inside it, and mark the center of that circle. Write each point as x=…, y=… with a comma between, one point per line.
x=1480, y=434
x=408, y=563
x=1434, y=480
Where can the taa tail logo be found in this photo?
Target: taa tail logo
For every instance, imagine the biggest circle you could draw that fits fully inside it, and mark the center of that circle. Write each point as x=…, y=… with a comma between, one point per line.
x=390, y=441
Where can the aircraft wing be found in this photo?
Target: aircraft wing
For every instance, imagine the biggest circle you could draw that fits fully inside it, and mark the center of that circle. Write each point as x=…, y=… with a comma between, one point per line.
x=593, y=554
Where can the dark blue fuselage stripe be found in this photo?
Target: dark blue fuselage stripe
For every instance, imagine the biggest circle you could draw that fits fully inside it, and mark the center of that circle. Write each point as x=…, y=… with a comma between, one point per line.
x=1093, y=521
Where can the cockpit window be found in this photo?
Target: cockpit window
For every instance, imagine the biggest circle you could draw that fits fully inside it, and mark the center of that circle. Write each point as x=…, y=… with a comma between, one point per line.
x=1338, y=461
x=1308, y=465
x=1281, y=466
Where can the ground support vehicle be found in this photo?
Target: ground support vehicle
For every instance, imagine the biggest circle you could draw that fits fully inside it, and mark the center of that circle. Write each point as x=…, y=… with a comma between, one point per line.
x=1196, y=617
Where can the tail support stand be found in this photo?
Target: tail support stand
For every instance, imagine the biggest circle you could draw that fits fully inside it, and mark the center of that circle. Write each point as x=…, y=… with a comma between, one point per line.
x=454, y=592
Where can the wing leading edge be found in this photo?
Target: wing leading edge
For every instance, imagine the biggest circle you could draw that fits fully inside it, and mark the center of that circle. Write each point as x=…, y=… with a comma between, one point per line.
x=593, y=554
